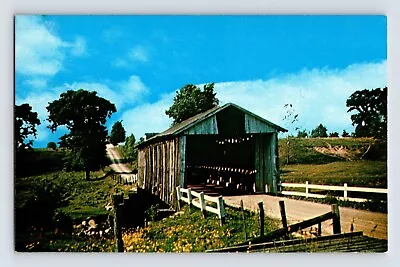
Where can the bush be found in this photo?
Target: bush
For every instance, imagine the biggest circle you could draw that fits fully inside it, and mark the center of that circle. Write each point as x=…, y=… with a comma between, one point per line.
x=72, y=162
x=378, y=151
x=39, y=209
x=52, y=145
x=36, y=162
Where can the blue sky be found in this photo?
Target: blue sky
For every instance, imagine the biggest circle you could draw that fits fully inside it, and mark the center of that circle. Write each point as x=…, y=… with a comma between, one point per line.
x=258, y=62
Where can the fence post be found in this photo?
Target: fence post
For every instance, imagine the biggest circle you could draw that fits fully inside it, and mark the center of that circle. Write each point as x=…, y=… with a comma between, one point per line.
x=221, y=210
x=244, y=220
x=283, y=214
x=178, y=196
x=189, y=193
x=261, y=213
x=117, y=203
x=319, y=229
x=336, y=219
x=345, y=191
x=203, y=204
x=306, y=189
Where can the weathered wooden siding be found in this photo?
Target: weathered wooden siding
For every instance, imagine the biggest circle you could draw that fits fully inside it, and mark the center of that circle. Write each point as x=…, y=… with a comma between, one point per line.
x=160, y=167
x=254, y=125
x=265, y=161
x=208, y=126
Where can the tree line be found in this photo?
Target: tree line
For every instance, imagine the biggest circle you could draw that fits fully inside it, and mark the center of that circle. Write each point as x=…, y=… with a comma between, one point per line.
x=369, y=119
x=84, y=114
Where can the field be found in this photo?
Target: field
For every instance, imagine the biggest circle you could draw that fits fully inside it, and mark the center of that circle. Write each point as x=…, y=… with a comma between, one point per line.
x=363, y=173
x=44, y=190
x=358, y=162
x=334, y=161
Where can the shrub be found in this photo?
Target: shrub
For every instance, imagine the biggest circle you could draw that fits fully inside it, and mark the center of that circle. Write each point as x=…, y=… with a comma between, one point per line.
x=39, y=209
x=52, y=145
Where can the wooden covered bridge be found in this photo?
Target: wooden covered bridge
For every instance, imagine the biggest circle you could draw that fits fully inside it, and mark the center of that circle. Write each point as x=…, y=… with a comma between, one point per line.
x=223, y=148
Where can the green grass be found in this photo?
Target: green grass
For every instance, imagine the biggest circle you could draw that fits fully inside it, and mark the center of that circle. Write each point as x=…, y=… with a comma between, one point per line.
x=362, y=173
x=190, y=232
x=301, y=150
x=307, y=164
x=86, y=198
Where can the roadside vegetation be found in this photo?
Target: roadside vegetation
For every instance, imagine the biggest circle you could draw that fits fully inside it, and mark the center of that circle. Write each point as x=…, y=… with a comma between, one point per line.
x=188, y=231
x=46, y=192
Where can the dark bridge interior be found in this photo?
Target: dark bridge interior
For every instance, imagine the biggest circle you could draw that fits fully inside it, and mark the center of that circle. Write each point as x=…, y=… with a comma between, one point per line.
x=220, y=164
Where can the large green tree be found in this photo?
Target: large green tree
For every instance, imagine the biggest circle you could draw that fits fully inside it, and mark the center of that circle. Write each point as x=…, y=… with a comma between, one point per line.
x=191, y=100
x=24, y=125
x=370, y=118
x=117, y=133
x=319, y=131
x=129, y=148
x=84, y=114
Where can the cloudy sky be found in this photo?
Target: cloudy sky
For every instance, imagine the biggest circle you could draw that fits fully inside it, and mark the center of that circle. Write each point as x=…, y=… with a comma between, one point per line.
x=258, y=62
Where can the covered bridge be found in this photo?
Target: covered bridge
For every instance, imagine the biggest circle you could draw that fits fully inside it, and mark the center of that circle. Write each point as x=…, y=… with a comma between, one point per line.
x=225, y=147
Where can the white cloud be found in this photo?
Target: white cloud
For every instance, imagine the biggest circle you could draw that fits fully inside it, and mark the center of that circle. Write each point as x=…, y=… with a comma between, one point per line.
x=78, y=48
x=317, y=95
x=36, y=83
x=120, y=63
x=133, y=89
x=128, y=92
x=139, y=53
x=148, y=117
x=38, y=50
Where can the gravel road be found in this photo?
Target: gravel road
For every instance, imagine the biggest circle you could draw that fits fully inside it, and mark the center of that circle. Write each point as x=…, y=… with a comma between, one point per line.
x=373, y=224
x=117, y=166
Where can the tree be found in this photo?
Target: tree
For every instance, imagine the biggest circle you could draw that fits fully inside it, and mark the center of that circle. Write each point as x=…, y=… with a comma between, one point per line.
x=117, y=133
x=302, y=134
x=52, y=145
x=129, y=148
x=190, y=100
x=371, y=117
x=319, y=131
x=25, y=125
x=345, y=134
x=84, y=114
x=334, y=134
x=290, y=119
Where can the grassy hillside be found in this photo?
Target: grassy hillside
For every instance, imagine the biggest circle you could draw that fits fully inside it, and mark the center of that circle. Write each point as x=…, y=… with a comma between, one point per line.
x=363, y=173
x=334, y=161
x=44, y=194
x=327, y=150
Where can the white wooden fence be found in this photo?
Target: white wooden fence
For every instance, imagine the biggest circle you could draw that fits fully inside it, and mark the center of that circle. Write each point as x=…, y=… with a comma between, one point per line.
x=343, y=188
x=199, y=200
x=131, y=179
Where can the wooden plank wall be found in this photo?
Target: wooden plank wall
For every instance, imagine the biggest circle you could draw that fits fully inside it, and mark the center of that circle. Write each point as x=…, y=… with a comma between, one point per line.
x=208, y=126
x=265, y=162
x=159, y=169
x=254, y=125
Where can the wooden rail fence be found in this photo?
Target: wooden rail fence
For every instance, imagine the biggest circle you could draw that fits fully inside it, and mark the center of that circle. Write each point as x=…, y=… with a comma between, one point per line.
x=343, y=188
x=333, y=215
x=131, y=179
x=199, y=200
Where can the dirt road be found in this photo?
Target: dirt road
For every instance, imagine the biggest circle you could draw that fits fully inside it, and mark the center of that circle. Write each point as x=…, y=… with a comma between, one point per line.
x=117, y=166
x=373, y=224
